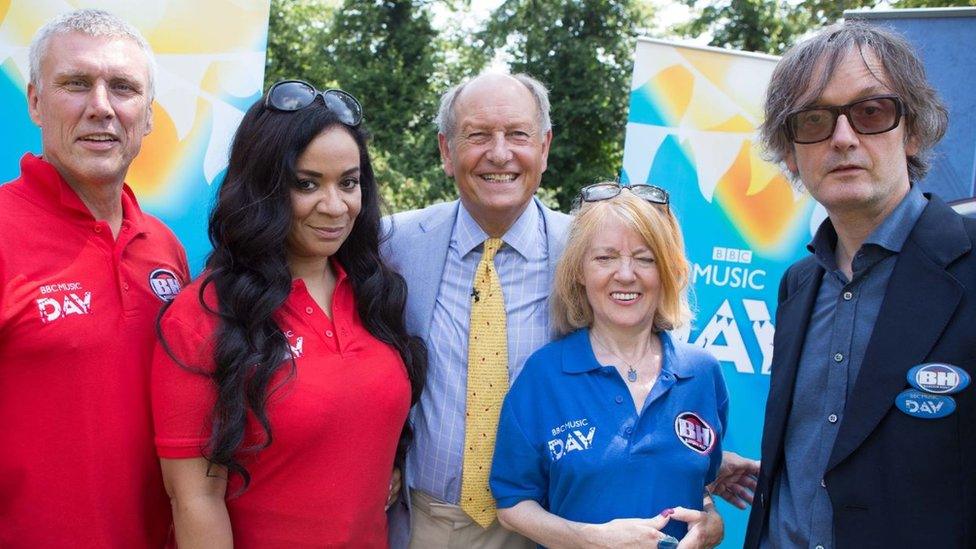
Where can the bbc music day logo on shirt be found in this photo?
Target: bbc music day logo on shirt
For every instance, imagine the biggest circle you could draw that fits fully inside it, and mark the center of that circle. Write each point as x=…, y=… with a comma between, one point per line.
x=571, y=436
x=63, y=299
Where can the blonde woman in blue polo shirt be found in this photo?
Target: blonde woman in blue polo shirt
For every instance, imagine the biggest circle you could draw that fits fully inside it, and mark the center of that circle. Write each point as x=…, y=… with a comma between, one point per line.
x=611, y=433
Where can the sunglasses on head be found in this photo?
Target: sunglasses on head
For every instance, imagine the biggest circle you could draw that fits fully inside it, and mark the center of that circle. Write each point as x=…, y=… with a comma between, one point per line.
x=606, y=191
x=293, y=95
x=868, y=116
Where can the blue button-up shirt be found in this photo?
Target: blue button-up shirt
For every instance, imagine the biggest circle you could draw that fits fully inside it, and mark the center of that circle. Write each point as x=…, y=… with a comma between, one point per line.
x=841, y=324
x=522, y=265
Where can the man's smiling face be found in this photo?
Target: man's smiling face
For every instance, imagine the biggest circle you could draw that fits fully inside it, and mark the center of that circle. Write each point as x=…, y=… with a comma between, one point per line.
x=92, y=103
x=497, y=152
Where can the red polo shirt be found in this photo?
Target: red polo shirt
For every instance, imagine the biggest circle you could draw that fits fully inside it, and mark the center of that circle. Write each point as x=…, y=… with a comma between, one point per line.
x=335, y=419
x=77, y=307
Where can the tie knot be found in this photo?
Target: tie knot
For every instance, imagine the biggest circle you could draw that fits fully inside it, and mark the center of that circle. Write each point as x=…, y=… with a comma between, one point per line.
x=491, y=248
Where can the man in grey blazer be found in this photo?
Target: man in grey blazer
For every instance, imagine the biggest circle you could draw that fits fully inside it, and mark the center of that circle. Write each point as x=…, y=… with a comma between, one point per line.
x=494, y=134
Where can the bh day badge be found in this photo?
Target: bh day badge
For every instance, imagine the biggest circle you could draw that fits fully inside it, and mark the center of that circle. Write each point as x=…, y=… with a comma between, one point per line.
x=931, y=386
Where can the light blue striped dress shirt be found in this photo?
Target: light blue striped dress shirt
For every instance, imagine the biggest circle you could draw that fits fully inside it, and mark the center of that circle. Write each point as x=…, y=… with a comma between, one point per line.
x=521, y=263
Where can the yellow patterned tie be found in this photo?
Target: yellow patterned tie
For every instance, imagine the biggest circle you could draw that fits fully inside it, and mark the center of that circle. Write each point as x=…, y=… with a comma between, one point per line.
x=487, y=385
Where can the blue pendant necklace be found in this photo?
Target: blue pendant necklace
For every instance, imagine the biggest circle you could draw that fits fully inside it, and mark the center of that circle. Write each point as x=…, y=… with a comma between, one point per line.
x=631, y=371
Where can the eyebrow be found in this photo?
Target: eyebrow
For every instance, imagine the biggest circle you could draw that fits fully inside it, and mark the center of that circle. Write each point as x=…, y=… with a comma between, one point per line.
x=863, y=93
x=513, y=125
x=610, y=249
x=313, y=173
x=130, y=79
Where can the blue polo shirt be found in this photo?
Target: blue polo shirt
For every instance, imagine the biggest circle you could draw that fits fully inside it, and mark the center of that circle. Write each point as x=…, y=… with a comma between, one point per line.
x=570, y=438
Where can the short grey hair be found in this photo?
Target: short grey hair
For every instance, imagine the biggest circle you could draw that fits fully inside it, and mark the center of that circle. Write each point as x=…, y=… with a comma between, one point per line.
x=447, y=119
x=92, y=22
x=793, y=86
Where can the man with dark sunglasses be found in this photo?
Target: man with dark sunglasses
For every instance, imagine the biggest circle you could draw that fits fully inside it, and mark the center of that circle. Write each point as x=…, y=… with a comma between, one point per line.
x=867, y=440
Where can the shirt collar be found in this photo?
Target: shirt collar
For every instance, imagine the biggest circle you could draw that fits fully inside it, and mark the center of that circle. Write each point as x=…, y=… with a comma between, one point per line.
x=47, y=185
x=891, y=234
x=340, y=273
x=894, y=230
x=578, y=356
x=522, y=236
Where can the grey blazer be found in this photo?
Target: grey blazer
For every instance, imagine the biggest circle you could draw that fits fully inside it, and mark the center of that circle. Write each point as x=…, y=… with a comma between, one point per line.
x=415, y=245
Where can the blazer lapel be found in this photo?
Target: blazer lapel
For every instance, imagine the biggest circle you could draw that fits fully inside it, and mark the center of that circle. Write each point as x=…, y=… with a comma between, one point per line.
x=919, y=301
x=793, y=316
x=431, y=242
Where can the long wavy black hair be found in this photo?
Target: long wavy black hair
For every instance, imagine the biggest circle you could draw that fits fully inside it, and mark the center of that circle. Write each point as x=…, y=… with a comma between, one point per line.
x=249, y=225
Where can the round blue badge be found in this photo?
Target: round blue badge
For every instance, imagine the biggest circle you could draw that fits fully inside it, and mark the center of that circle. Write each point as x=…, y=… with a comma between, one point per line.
x=938, y=378
x=924, y=405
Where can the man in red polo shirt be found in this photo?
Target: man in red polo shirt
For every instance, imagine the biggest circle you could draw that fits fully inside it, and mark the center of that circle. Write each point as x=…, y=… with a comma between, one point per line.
x=83, y=273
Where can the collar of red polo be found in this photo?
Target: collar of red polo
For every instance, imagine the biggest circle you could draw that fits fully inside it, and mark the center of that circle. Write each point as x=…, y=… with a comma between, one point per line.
x=45, y=185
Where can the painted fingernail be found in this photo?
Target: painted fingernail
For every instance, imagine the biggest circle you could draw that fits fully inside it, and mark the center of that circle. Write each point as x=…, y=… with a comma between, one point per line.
x=667, y=512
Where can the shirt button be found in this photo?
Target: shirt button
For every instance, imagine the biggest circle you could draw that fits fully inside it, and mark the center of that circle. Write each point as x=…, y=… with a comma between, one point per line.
x=820, y=547
x=308, y=310
x=328, y=333
x=838, y=357
x=629, y=430
x=98, y=228
x=619, y=399
x=125, y=286
x=823, y=483
x=848, y=296
x=832, y=418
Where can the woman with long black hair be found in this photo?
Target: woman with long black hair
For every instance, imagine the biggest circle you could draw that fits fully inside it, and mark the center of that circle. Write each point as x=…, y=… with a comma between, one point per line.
x=284, y=373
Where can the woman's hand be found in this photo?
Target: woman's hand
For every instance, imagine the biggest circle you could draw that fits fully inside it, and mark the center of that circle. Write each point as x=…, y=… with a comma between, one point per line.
x=705, y=528
x=395, y=481
x=532, y=521
x=626, y=533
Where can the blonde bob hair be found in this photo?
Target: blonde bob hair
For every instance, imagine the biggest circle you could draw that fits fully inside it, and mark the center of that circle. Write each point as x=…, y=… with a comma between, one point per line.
x=659, y=229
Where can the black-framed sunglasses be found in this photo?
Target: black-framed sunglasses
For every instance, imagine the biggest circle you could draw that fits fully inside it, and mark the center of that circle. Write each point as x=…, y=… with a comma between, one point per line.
x=293, y=95
x=868, y=116
x=606, y=191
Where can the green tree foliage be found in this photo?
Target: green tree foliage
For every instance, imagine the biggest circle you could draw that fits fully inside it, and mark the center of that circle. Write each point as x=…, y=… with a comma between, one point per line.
x=383, y=51
x=386, y=53
x=297, y=30
x=772, y=26
x=583, y=51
